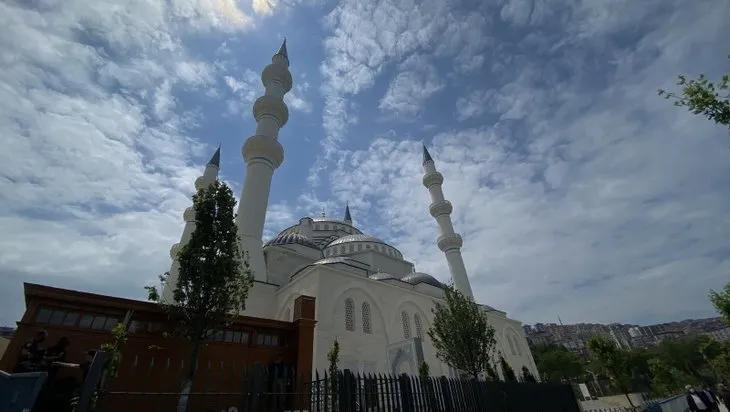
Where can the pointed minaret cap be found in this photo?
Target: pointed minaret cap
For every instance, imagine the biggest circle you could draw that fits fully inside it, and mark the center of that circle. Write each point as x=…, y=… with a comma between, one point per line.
x=216, y=159
x=426, y=155
x=348, y=217
x=282, y=50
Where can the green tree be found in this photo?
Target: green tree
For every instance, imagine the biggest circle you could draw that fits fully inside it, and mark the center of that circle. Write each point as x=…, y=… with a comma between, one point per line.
x=213, y=279
x=507, y=372
x=113, y=350
x=721, y=302
x=110, y=369
x=526, y=375
x=462, y=336
x=685, y=356
x=704, y=97
x=333, y=356
x=556, y=363
x=666, y=380
x=424, y=371
x=616, y=363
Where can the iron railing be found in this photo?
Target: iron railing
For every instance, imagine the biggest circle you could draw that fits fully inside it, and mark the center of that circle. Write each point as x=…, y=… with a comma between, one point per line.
x=156, y=385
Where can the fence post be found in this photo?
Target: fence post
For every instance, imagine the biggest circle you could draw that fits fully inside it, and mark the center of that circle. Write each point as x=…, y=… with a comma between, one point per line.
x=347, y=392
x=446, y=393
x=92, y=381
x=406, y=393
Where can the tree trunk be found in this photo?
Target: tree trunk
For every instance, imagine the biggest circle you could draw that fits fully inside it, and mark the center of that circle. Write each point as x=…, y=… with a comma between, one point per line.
x=187, y=385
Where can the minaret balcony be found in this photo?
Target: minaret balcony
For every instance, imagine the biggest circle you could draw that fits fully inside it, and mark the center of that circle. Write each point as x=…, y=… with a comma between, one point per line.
x=450, y=241
x=440, y=208
x=268, y=105
x=277, y=72
x=431, y=179
x=263, y=147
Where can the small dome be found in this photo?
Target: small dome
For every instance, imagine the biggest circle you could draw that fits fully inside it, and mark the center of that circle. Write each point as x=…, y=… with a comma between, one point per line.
x=355, y=238
x=381, y=276
x=418, y=277
x=291, y=239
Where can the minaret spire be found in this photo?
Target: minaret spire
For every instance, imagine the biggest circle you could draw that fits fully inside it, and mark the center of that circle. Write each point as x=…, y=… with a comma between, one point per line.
x=449, y=241
x=348, y=217
x=209, y=176
x=263, y=154
x=216, y=159
x=426, y=155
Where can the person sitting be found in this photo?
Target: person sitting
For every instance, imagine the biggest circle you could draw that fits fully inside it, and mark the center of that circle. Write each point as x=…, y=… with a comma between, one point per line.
x=698, y=400
x=31, y=354
x=53, y=354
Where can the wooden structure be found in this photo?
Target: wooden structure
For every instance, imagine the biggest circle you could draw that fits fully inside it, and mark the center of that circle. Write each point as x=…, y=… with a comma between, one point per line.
x=151, y=354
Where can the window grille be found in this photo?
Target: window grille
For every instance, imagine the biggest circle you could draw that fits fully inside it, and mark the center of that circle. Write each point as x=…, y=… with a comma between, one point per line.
x=511, y=345
x=366, y=327
x=518, y=346
x=406, y=325
x=419, y=327
x=349, y=315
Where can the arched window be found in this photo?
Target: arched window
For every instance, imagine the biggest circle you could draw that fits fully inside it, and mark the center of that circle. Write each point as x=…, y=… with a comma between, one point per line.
x=349, y=314
x=419, y=327
x=287, y=315
x=511, y=344
x=406, y=325
x=518, y=346
x=366, y=328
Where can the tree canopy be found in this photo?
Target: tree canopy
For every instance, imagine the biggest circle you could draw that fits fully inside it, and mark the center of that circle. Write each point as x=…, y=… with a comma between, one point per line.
x=507, y=372
x=704, y=97
x=556, y=364
x=462, y=336
x=213, y=278
x=721, y=301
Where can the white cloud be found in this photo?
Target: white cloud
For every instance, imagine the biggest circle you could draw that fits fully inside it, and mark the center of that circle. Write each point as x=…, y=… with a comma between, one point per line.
x=296, y=98
x=591, y=198
x=364, y=40
x=265, y=7
x=472, y=105
x=97, y=163
x=415, y=82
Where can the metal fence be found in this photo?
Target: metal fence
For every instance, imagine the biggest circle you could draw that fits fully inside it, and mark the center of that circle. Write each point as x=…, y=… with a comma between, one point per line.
x=154, y=385
x=349, y=392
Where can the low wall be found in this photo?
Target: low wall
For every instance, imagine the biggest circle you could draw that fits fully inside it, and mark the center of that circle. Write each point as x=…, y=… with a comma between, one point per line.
x=616, y=401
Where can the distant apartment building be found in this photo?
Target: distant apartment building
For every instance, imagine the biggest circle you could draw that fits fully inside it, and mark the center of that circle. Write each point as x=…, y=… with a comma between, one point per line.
x=642, y=337
x=620, y=336
x=720, y=335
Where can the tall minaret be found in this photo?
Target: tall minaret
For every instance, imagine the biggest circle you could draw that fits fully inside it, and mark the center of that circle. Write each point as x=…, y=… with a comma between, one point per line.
x=449, y=241
x=209, y=176
x=263, y=154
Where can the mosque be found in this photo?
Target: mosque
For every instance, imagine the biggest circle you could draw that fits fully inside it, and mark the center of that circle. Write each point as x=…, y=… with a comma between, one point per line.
x=368, y=297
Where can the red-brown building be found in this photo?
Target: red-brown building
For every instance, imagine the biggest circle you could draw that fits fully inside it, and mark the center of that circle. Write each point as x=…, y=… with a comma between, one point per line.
x=152, y=360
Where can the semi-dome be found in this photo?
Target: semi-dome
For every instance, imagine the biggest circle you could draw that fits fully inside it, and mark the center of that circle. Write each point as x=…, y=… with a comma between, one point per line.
x=419, y=277
x=355, y=238
x=381, y=276
x=291, y=239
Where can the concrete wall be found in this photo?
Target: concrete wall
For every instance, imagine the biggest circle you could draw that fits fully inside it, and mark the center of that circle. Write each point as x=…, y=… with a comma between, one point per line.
x=387, y=302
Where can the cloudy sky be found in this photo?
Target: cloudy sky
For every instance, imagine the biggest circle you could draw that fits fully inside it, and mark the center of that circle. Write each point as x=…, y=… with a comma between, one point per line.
x=579, y=192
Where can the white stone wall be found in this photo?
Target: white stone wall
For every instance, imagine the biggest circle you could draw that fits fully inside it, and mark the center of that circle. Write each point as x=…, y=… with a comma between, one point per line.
x=332, y=287
x=260, y=302
x=282, y=262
